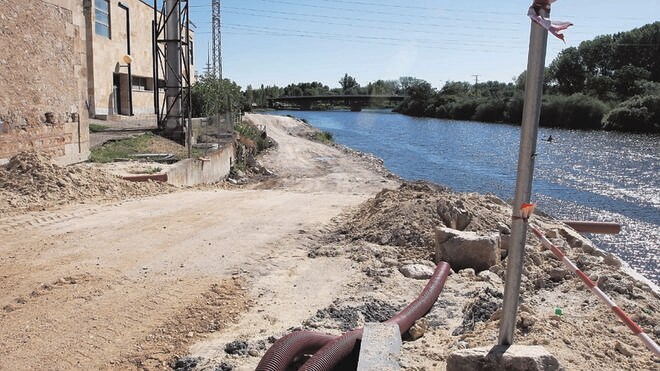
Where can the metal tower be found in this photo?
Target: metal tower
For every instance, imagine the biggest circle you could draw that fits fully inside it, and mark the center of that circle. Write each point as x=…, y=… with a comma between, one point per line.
x=172, y=54
x=217, y=39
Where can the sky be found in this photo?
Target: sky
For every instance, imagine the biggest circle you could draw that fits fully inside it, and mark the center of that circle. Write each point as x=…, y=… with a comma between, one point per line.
x=278, y=42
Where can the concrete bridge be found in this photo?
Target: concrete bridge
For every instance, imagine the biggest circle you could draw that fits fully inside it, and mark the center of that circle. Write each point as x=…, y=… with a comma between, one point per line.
x=355, y=102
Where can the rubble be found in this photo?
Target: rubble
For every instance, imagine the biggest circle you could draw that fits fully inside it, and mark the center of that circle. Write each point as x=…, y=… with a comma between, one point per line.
x=32, y=181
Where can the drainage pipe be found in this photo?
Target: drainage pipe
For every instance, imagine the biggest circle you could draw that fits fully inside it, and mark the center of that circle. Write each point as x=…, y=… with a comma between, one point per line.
x=128, y=51
x=335, y=348
x=593, y=227
x=285, y=349
x=648, y=342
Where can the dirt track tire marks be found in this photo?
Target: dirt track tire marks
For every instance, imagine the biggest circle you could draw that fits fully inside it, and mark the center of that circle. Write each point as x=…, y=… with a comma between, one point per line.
x=45, y=218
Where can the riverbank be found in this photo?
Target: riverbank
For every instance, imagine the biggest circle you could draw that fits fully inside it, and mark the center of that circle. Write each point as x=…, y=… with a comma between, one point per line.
x=210, y=276
x=595, y=175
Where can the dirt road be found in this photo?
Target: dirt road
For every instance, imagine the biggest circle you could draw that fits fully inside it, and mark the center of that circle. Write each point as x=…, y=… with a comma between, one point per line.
x=134, y=283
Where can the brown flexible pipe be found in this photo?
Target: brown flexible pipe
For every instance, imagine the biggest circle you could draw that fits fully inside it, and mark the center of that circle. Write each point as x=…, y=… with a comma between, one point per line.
x=336, y=348
x=285, y=349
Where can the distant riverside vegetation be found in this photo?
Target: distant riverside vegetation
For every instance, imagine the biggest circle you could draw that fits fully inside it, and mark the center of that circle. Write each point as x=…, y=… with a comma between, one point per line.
x=611, y=82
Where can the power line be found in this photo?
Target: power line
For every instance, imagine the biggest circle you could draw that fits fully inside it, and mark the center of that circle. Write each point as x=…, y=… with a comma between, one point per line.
x=352, y=10
x=388, y=41
x=414, y=25
x=354, y=25
x=365, y=37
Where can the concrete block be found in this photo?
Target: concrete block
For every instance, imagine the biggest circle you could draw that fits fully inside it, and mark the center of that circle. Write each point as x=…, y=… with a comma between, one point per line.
x=467, y=249
x=380, y=347
x=417, y=271
x=503, y=358
x=210, y=169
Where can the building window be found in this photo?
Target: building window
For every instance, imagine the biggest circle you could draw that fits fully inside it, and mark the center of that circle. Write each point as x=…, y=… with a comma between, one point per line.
x=102, y=17
x=140, y=83
x=192, y=54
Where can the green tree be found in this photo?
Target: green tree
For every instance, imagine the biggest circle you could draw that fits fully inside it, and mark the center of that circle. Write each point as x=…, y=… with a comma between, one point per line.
x=568, y=71
x=407, y=82
x=211, y=95
x=628, y=80
x=597, y=55
x=455, y=88
x=383, y=87
x=418, y=98
x=249, y=98
x=348, y=84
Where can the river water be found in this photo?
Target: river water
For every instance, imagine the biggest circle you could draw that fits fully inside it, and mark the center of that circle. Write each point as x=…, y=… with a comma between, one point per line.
x=582, y=175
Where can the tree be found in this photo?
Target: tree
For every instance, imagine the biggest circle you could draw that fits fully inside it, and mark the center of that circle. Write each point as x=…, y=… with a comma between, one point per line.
x=455, y=88
x=383, y=87
x=348, y=84
x=628, y=80
x=419, y=98
x=249, y=96
x=211, y=95
x=597, y=55
x=408, y=81
x=568, y=72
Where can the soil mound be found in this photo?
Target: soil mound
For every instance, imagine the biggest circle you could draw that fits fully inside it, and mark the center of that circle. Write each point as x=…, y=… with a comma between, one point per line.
x=31, y=181
x=408, y=216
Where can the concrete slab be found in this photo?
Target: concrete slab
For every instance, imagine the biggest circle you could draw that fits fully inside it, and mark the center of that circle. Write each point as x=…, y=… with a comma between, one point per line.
x=380, y=347
x=503, y=358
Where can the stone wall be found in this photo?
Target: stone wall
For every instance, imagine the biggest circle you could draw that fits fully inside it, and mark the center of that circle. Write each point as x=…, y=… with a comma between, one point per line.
x=43, y=70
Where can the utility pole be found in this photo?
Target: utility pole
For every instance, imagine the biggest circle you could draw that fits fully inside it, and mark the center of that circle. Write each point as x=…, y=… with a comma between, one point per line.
x=207, y=70
x=538, y=40
x=217, y=39
x=476, y=81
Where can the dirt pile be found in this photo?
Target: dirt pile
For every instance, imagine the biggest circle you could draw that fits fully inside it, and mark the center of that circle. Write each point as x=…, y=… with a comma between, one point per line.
x=347, y=316
x=32, y=181
x=396, y=227
x=408, y=216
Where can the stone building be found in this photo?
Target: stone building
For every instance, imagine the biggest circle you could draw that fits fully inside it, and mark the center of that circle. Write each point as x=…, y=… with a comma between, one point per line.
x=63, y=62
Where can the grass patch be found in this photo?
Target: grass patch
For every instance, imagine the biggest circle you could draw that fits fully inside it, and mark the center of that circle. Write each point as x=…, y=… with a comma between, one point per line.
x=324, y=137
x=95, y=128
x=143, y=143
x=121, y=148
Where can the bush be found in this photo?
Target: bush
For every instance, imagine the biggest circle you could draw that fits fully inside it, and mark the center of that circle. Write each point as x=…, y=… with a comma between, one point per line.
x=514, y=109
x=636, y=114
x=323, y=137
x=577, y=111
x=463, y=110
x=253, y=133
x=491, y=111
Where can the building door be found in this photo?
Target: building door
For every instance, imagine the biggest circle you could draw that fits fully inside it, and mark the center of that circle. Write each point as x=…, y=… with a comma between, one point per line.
x=116, y=94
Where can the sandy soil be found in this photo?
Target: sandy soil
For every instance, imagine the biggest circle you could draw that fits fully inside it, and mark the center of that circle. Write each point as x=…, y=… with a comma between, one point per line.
x=209, y=276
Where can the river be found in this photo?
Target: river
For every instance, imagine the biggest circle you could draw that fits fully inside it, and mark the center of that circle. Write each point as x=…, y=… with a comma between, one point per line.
x=582, y=175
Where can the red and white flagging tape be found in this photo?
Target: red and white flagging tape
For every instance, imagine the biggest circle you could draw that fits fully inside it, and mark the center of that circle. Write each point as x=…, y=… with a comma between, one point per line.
x=653, y=347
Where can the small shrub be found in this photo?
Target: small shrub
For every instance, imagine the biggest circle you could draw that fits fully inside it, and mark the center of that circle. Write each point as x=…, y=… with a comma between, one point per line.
x=324, y=137
x=95, y=128
x=253, y=133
